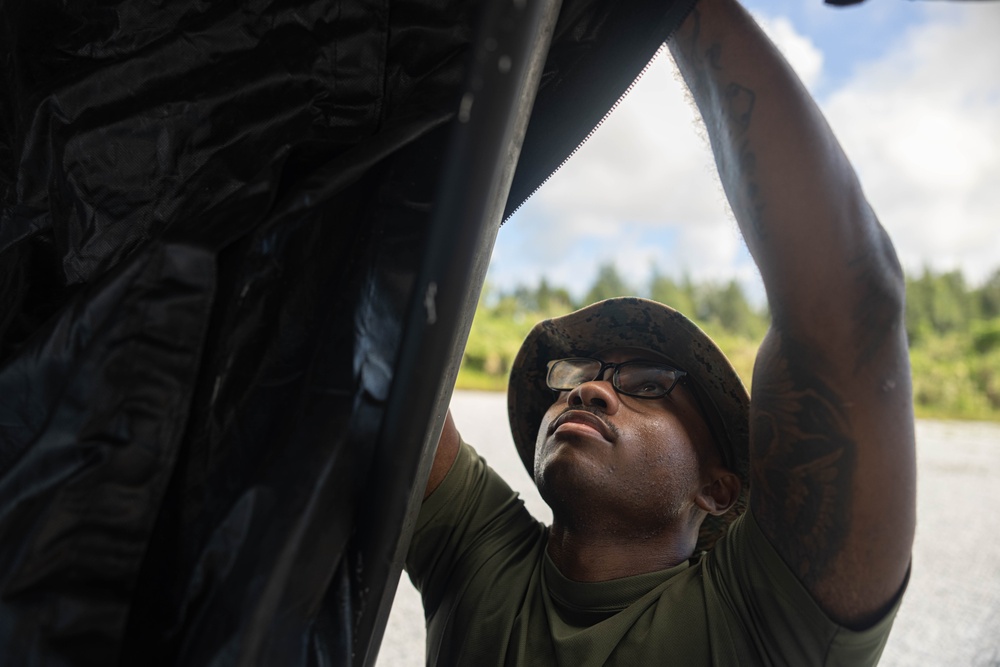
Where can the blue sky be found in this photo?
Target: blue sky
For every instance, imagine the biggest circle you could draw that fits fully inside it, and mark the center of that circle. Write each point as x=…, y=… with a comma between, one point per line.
x=848, y=36
x=911, y=88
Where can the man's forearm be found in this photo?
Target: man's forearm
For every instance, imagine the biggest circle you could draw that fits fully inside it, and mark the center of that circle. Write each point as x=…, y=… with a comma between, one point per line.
x=792, y=190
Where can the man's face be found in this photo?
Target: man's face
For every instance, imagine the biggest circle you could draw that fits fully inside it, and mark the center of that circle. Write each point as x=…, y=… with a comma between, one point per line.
x=638, y=460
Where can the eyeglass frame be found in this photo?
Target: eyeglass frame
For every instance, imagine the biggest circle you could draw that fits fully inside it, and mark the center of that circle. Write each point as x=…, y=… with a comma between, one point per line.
x=605, y=365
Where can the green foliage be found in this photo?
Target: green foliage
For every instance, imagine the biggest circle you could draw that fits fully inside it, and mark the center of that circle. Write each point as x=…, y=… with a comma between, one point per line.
x=542, y=299
x=495, y=338
x=679, y=296
x=989, y=296
x=951, y=380
x=608, y=285
x=954, y=333
x=941, y=303
x=727, y=307
x=986, y=336
x=498, y=329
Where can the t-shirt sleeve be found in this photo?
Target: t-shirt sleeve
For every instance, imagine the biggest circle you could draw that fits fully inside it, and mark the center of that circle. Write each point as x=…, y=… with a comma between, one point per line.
x=470, y=518
x=778, y=618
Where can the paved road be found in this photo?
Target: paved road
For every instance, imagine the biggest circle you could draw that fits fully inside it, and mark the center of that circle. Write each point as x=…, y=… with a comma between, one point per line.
x=951, y=613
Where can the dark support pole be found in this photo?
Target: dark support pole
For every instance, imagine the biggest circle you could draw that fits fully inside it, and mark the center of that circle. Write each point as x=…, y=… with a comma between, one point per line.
x=507, y=62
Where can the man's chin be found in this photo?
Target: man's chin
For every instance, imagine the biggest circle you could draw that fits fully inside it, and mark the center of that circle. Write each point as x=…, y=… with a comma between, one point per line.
x=569, y=475
x=564, y=454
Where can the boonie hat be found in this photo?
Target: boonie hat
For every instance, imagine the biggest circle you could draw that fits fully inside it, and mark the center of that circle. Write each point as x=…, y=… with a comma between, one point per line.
x=638, y=323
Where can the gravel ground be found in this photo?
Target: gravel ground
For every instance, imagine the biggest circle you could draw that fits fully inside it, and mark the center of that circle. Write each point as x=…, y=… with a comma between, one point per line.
x=951, y=612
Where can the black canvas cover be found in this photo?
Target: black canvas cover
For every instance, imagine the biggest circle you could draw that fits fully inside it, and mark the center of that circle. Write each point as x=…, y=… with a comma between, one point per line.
x=240, y=249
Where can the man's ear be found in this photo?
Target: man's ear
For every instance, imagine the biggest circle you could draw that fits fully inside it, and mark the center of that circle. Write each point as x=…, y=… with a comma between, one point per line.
x=720, y=493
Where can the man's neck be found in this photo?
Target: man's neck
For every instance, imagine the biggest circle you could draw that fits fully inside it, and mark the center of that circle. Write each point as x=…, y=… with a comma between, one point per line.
x=591, y=556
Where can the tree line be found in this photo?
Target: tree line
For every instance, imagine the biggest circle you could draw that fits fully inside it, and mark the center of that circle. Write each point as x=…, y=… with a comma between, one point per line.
x=953, y=329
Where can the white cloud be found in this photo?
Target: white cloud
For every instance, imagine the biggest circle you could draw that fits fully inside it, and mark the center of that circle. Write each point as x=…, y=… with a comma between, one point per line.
x=922, y=127
x=644, y=187
x=644, y=166
x=647, y=168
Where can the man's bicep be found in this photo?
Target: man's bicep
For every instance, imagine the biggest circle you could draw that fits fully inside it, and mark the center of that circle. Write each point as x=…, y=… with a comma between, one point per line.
x=802, y=460
x=832, y=470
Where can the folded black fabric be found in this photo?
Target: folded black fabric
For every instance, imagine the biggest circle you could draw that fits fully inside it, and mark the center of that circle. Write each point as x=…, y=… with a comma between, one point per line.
x=213, y=219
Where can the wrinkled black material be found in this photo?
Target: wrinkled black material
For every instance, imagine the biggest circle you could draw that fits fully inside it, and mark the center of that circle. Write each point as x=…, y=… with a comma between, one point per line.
x=216, y=244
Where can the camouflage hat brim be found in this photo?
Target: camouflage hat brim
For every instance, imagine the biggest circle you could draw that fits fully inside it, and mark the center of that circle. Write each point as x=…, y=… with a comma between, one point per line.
x=637, y=323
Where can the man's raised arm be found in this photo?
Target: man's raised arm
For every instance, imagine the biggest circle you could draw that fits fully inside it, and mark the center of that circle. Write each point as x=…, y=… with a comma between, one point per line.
x=833, y=472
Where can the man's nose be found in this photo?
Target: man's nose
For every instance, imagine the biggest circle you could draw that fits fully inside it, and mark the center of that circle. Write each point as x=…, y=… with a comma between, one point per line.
x=597, y=394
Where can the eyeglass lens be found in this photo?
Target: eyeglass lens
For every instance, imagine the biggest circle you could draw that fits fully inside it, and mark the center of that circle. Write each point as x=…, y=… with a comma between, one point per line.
x=634, y=378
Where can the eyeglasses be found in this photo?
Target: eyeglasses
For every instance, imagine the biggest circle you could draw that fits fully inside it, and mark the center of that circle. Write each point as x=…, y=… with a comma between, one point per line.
x=642, y=379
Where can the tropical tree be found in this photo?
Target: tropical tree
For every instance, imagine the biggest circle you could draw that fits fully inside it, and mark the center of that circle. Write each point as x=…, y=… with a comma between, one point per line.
x=727, y=306
x=608, y=284
x=678, y=295
x=989, y=296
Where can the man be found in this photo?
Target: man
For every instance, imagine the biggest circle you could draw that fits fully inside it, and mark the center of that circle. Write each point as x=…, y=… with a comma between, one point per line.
x=644, y=443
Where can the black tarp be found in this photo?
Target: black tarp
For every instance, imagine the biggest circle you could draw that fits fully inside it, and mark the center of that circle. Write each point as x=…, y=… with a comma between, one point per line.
x=240, y=249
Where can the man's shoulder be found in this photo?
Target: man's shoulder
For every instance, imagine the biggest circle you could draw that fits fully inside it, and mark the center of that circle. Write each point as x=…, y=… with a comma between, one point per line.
x=473, y=517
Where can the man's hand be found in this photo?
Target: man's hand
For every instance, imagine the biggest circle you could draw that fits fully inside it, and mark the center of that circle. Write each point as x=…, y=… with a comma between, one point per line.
x=833, y=465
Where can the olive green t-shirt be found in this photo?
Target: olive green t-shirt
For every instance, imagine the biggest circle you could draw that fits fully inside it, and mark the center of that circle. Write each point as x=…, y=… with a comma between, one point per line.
x=492, y=596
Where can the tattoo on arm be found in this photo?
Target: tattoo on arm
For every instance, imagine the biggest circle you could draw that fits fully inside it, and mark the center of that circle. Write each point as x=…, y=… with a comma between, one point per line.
x=697, y=81
x=751, y=204
x=712, y=55
x=736, y=108
x=739, y=105
x=803, y=460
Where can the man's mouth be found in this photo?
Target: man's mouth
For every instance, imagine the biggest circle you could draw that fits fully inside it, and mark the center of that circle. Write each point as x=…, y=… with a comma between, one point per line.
x=587, y=419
